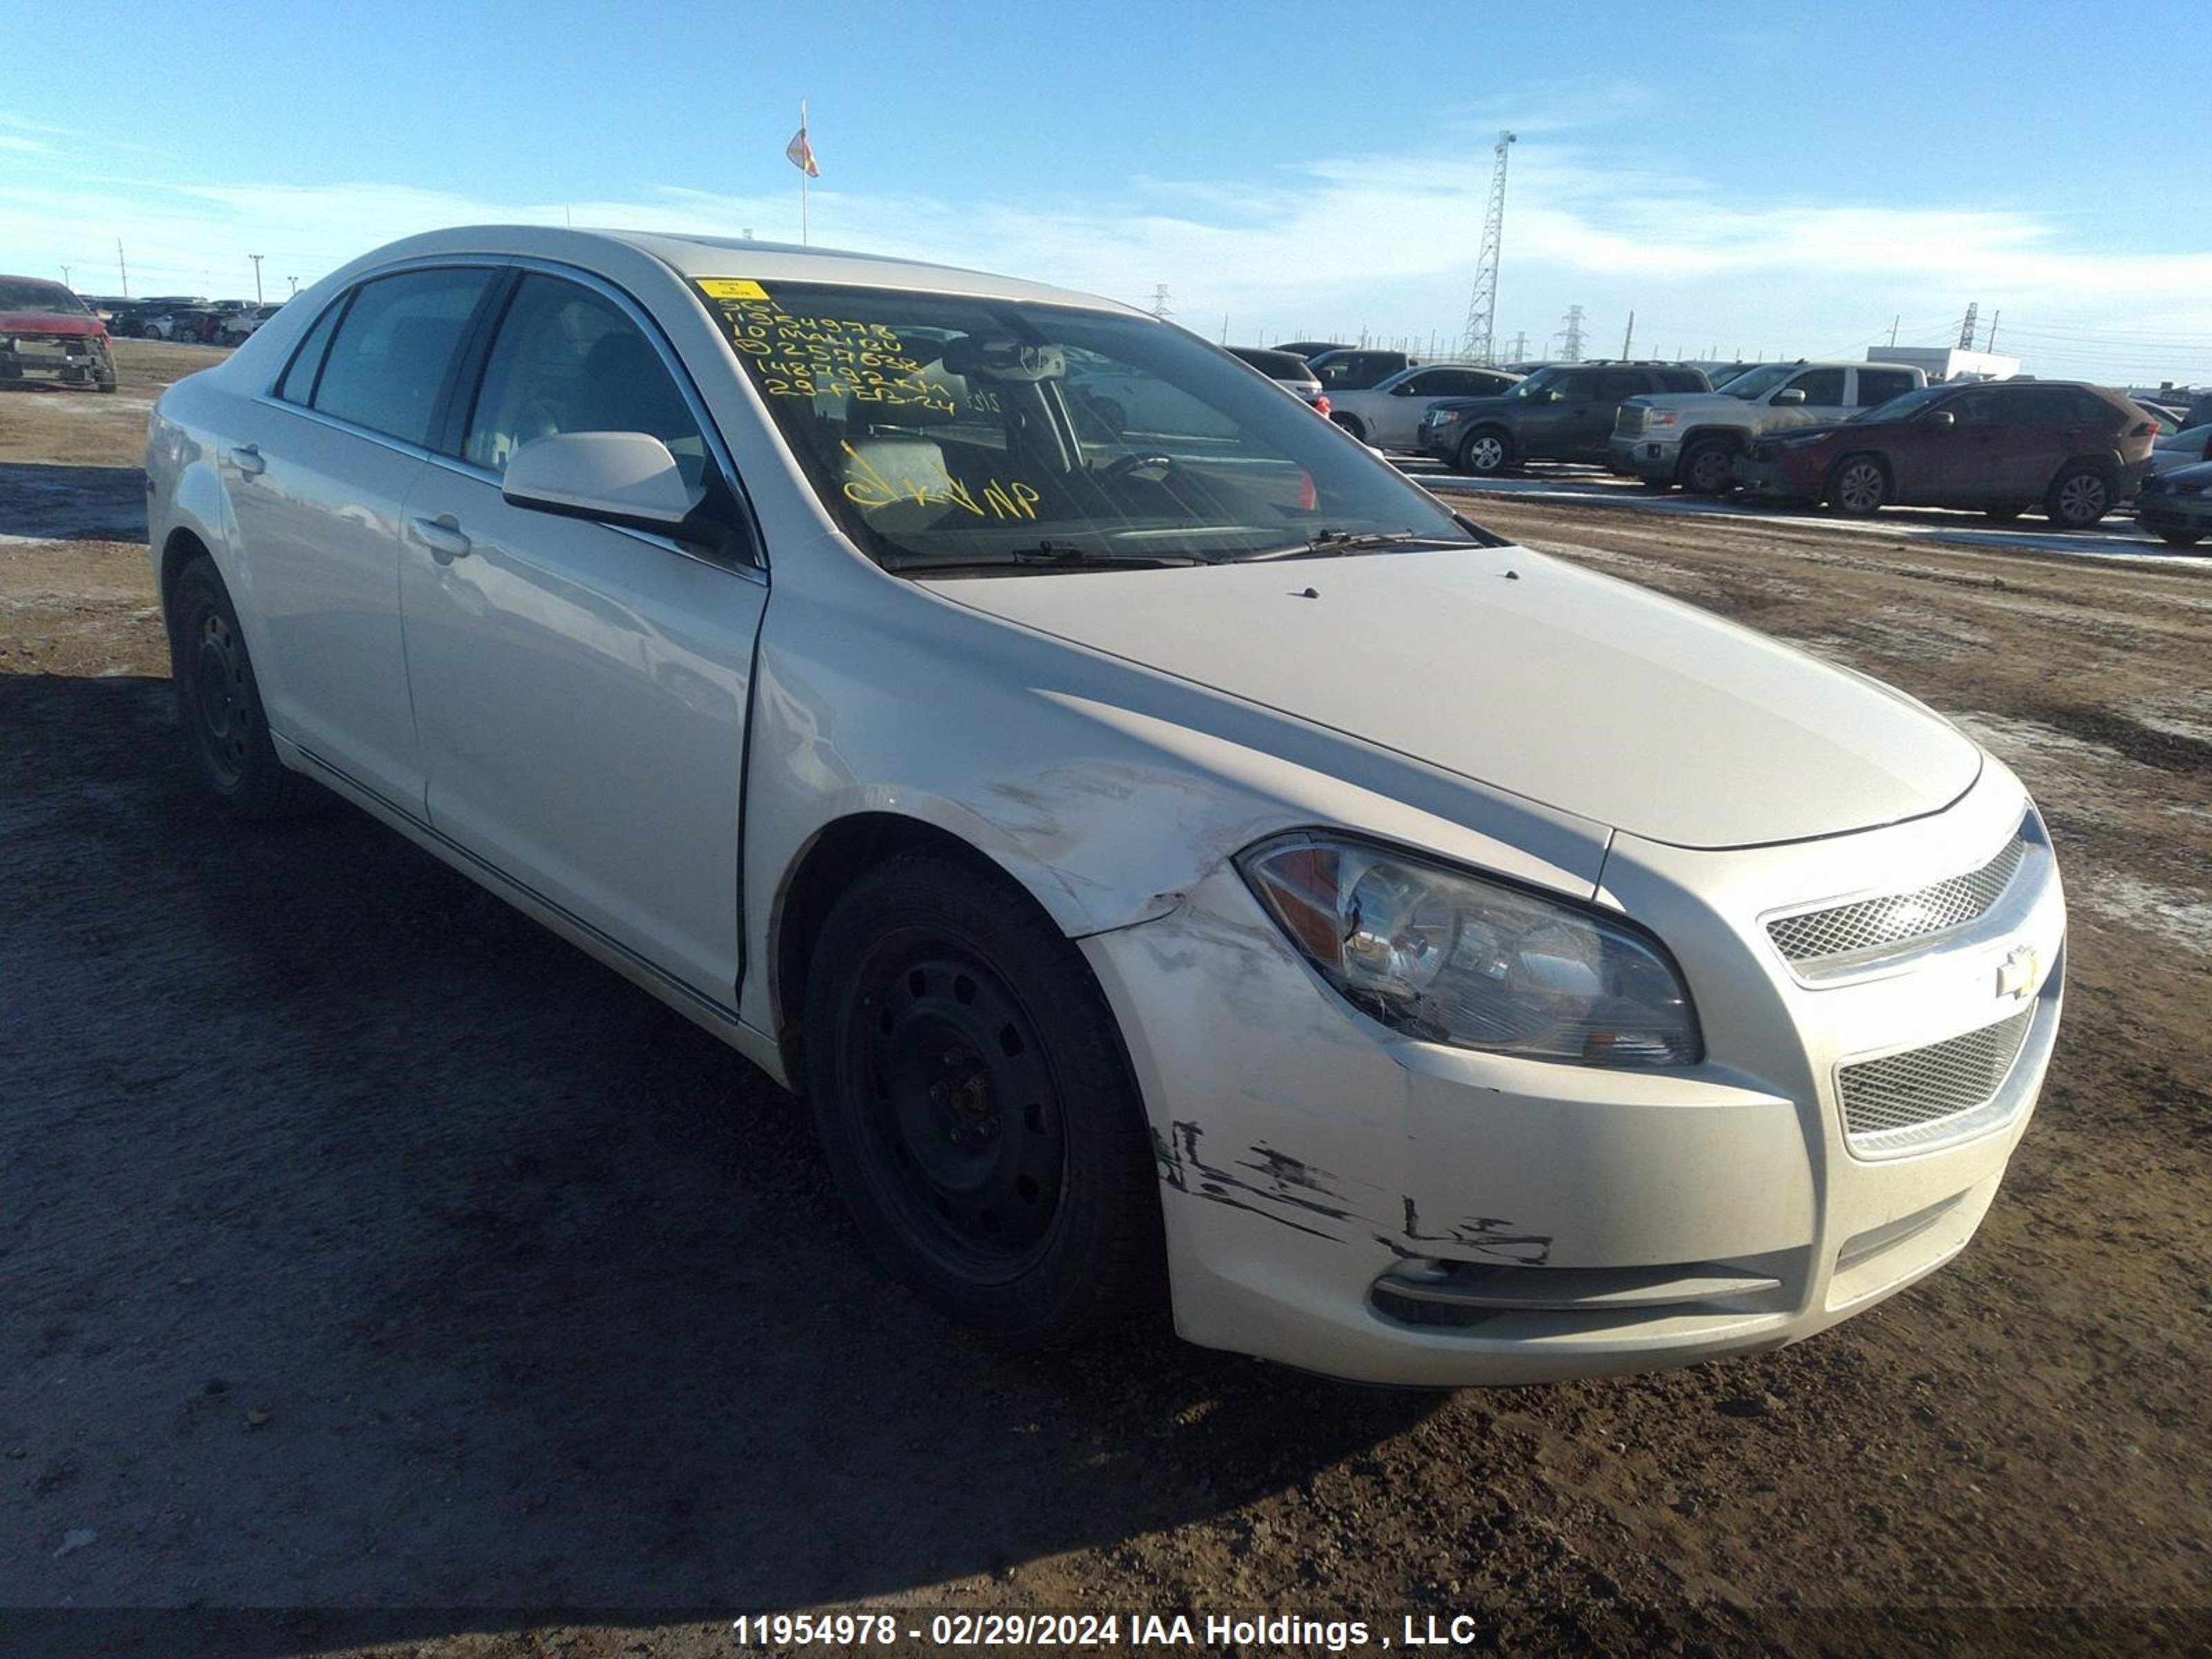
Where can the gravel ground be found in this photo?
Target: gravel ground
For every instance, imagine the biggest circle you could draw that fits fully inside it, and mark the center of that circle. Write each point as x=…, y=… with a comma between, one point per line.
x=365, y=1248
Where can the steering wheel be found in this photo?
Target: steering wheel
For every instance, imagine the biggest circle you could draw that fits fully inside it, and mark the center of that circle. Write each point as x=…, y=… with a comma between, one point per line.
x=1154, y=467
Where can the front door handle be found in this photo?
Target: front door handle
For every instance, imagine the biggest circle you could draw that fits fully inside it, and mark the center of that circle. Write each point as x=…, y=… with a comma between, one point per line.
x=441, y=535
x=247, y=457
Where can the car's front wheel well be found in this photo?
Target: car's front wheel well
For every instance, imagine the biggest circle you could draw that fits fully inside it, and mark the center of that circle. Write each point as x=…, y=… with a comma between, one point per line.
x=178, y=551
x=835, y=858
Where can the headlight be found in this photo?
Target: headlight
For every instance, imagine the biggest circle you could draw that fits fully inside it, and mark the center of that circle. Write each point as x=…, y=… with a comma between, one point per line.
x=1452, y=958
x=1658, y=417
x=1445, y=417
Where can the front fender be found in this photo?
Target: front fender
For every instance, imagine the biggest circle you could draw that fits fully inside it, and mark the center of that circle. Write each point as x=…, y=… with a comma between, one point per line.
x=1106, y=790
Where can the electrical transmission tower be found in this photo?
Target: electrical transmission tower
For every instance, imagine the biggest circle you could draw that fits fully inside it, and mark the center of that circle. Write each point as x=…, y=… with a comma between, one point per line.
x=1160, y=302
x=1966, y=333
x=1571, y=349
x=1474, y=344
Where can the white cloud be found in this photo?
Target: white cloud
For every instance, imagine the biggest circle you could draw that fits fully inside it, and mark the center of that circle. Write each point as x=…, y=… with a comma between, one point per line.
x=1333, y=245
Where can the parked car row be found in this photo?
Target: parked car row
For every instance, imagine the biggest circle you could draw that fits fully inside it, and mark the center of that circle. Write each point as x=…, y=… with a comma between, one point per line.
x=223, y=322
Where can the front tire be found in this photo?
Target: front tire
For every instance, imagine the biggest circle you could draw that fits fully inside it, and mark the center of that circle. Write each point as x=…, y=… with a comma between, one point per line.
x=975, y=1106
x=1859, y=487
x=2181, y=538
x=219, y=702
x=1485, y=454
x=2079, y=497
x=1709, y=469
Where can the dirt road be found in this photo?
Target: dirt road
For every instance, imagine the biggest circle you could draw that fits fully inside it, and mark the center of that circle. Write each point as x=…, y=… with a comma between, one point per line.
x=362, y=1247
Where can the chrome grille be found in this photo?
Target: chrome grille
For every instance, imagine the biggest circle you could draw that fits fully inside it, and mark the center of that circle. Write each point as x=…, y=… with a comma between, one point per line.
x=1921, y=1087
x=1869, y=924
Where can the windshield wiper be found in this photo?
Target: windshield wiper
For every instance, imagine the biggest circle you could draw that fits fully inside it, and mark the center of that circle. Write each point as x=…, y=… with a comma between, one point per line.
x=1330, y=542
x=1049, y=555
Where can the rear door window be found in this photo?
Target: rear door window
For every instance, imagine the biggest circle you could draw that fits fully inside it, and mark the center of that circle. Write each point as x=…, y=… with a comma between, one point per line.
x=568, y=359
x=1453, y=383
x=388, y=361
x=1879, y=385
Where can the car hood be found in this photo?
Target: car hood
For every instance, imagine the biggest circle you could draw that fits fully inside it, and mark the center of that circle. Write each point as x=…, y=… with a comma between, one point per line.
x=49, y=322
x=1531, y=675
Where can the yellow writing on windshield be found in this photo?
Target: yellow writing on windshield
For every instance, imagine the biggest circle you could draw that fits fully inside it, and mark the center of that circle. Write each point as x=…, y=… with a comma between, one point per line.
x=869, y=487
x=793, y=355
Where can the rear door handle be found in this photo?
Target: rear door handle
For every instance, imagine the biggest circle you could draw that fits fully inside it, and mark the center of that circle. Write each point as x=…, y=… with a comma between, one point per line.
x=247, y=457
x=441, y=535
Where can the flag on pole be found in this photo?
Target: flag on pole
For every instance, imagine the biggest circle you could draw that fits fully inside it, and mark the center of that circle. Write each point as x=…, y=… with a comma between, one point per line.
x=800, y=154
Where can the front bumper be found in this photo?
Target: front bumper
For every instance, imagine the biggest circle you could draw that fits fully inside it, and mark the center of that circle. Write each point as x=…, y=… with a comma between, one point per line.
x=65, y=358
x=1348, y=1200
x=1437, y=438
x=1768, y=479
x=2160, y=510
x=1642, y=458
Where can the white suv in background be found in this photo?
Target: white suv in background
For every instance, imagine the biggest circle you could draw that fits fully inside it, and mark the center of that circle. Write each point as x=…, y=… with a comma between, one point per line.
x=1693, y=439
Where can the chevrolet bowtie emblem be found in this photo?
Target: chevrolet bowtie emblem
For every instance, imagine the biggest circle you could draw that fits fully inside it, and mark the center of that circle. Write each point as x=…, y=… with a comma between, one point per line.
x=2016, y=974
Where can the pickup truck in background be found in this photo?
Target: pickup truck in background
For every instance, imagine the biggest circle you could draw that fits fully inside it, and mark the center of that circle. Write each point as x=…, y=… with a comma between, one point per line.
x=1693, y=439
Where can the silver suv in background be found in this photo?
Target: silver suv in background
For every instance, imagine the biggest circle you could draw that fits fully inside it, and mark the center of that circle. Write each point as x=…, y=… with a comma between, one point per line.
x=1693, y=439
x=1387, y=415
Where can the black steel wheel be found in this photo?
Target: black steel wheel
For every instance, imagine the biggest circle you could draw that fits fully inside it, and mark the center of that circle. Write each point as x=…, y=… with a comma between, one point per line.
x=975, y=1106
x=219, y=703
x=1709, y=469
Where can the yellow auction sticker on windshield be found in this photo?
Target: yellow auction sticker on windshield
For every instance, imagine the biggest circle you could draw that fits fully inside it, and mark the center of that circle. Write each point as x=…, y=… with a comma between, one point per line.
x=732, y=287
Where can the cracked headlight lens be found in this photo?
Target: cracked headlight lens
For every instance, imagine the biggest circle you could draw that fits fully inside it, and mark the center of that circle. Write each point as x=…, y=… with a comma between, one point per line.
x=1450, y=957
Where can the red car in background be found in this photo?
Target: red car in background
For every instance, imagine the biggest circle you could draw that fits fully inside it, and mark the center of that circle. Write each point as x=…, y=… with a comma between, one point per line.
x=2002, y=445
x=47, y=331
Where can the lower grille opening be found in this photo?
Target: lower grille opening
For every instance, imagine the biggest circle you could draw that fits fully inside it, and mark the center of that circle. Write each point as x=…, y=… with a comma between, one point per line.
x=1461, y=1294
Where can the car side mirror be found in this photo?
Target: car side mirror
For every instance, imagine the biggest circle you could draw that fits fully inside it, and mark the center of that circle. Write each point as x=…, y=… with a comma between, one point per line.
x=627, y=479
x=1555, y=397
x=1942, y=417
x=1792, y=394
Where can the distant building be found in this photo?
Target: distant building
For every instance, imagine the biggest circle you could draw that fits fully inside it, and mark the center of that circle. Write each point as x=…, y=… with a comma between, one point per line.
x=1948, y=363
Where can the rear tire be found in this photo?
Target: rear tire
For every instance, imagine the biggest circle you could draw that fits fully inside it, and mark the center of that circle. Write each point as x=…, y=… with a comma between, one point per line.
x=1352, y=424
x=975, y=1107
x=219, y=702
x=1709, y=469
x=1859, y=487
x=2079, y=497
x=2003, y=514
x=1485, y=453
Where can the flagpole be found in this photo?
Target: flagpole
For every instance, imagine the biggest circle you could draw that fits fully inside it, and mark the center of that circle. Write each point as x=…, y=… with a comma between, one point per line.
x=802, y=178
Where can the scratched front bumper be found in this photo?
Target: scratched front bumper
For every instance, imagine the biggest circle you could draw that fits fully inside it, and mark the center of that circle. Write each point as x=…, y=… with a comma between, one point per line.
x=1305, y=1152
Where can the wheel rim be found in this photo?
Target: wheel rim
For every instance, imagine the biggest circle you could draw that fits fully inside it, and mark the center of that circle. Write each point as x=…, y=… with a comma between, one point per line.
x=1708, y=469
x=222, y=703
x=1485, y=455
x=1860, y=487
x=2081, y=498
x=965, y=1138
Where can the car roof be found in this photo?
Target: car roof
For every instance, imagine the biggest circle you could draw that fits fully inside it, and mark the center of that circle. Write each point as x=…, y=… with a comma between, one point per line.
x=696, y=257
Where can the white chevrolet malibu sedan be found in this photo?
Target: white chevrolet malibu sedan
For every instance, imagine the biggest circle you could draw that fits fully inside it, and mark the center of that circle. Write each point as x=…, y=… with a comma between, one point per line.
x=1172, y=856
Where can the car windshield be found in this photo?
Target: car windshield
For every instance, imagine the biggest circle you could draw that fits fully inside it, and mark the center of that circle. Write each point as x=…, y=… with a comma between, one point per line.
x=38, y=296
x=1904, y=405
x=946, y=430
x=1756, y=382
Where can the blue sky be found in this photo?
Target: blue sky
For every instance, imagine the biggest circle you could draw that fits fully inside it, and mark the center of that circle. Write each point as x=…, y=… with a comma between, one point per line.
x=1782, y=179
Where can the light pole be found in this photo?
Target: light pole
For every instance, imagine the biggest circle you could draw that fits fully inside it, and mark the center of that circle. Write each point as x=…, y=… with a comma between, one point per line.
x=257, y=259
x=294, y=282
x=65, y=281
